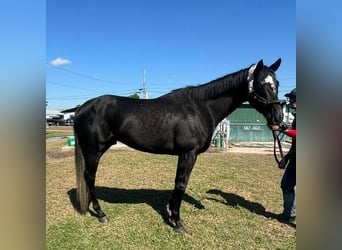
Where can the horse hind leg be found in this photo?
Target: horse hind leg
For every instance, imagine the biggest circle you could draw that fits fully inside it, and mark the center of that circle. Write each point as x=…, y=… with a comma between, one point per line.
x=91, y=162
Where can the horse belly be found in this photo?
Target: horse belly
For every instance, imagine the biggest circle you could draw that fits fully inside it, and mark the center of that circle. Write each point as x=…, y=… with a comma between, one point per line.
x=148, y=140
x=149, y=147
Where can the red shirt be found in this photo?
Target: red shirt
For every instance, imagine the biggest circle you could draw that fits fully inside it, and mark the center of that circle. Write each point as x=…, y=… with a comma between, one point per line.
x=291, y=133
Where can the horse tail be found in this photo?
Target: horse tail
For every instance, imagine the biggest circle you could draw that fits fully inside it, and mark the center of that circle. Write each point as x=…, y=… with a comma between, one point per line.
x=82, y=188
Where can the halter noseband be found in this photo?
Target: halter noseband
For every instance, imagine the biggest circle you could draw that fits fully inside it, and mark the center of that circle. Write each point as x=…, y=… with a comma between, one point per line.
x=256, y=96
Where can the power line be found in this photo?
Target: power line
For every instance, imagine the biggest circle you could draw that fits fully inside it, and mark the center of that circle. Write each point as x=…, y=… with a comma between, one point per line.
x=95, y=92
x=84, y=75
x=74, y=87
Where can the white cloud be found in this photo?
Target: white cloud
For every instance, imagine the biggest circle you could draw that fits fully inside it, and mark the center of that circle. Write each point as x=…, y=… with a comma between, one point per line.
x=59, y=61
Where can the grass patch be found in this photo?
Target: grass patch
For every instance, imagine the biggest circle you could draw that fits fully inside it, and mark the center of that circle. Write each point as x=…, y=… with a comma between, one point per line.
x=59, y=131
x=228, y=203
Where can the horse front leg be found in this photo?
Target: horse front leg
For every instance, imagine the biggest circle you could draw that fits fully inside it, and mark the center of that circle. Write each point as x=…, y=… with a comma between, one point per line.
x=184, y=168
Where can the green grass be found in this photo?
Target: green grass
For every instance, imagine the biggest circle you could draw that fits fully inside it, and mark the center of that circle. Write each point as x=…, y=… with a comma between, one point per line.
x=226, y=205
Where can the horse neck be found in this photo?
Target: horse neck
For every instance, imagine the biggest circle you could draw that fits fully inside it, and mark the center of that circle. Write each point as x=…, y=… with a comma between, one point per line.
x=222, y=107
x=231, y=98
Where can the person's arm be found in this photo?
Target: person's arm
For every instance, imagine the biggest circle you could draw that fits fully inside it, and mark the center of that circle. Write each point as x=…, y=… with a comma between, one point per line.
x=291, y=133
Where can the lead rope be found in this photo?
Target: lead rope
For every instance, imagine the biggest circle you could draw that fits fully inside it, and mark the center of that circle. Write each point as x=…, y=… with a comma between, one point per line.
x=277, y=141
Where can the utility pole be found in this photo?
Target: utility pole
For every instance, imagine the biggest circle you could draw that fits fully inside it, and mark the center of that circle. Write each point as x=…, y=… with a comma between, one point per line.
x=145, y=96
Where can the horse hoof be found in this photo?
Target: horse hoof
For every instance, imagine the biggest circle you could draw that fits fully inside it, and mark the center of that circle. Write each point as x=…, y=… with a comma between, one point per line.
x=181, y=230
x=178, y=227
x=103, y=219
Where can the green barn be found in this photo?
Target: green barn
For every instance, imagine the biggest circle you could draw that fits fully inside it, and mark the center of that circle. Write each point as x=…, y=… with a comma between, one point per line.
x=248, y=125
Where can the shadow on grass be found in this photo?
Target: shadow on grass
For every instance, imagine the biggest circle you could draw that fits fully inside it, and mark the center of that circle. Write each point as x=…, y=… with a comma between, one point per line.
x=235, y=200
x=157, y=199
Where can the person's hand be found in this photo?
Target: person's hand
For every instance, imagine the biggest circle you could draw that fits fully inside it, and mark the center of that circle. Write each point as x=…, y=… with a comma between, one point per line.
x=274, y=127
x=282, y=127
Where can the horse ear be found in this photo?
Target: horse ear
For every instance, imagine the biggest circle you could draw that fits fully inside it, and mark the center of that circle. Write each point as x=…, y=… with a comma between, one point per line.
x=275, y=65
x=259, y=66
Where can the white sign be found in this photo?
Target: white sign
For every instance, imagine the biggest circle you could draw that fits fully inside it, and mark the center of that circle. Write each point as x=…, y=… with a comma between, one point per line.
x=252, y=127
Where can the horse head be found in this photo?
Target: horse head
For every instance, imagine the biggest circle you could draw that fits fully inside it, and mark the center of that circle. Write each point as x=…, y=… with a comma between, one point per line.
x=263, y=92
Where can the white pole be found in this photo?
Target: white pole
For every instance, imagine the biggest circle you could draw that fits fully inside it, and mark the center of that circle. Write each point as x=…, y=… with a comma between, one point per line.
x=228, y=132
x=144, y=85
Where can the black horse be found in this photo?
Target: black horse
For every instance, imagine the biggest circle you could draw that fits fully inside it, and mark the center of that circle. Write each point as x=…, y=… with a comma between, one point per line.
x=178, y=123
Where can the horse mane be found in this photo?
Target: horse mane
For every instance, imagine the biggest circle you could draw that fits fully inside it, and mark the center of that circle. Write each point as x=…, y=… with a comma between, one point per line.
x=213, y=89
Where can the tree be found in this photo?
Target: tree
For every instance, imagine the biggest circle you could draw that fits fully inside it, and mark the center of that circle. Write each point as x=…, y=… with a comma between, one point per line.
x=134, y=96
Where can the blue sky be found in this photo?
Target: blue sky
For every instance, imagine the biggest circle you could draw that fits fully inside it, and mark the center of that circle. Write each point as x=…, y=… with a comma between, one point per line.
x=103, y=47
